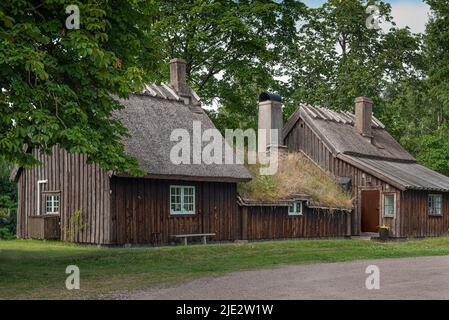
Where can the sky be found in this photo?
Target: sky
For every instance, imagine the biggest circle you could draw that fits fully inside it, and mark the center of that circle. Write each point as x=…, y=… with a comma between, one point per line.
x=411, y=13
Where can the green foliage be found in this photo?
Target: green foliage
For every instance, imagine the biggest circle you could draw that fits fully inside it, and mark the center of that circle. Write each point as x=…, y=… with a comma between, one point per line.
x=417, y=108
x=57, y=83
x=337, y=58
x=295, y=175
x=231, y=49
x=8, y=203
x=75, y=225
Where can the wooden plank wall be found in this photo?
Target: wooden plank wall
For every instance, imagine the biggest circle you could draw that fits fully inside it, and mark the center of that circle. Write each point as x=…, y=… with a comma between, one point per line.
x=267, y=222
x=141, y=208
x=81, y=187
x=415, y=220
x=302, y=137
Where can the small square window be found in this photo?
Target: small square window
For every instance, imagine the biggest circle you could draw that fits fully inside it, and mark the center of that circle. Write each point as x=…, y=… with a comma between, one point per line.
x=182, y=200
x=295, y=208
x=52, y=204
x=389, y=205
x=435, y=204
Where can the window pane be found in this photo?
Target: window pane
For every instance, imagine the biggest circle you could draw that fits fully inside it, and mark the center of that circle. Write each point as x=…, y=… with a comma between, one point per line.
x=389, y=205
x=52, y=204
x=182, y=199
x=295, y=208
x=188, y=199
x=435, y=204
x=291, y=208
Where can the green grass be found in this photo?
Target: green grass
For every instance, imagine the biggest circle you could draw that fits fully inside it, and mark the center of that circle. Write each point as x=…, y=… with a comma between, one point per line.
x=36, y=269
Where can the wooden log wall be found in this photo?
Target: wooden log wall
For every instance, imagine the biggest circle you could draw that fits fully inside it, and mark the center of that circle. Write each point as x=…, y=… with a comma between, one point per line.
x=269, y=222
x=415, y=220
x=80, y=187
x=302, y=137
x=140, y=211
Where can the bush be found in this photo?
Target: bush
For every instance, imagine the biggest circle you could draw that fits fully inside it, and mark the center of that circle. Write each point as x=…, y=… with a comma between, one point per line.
x=8, y=203
x=5, y=234
x=7, y=224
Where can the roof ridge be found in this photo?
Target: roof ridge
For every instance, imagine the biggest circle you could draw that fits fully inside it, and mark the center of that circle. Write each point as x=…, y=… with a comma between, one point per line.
x=344, y=116
x=168, y=92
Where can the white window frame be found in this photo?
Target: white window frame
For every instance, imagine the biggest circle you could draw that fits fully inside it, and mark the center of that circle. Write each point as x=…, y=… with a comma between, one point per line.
x=183, y=211
x=297, y=207
x=394, y=205
x=431, y=201
x=55, y=203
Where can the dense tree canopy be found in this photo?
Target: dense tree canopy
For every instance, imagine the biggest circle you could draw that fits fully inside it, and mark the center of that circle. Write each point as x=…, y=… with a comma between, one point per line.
x=231, y=48
x=56, y=83
x=337, y=57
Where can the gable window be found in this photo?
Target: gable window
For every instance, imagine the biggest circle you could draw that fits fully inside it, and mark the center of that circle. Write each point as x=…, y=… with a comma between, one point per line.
x=435, y=204
x=389, y=205
x=52, y=204
x=182, y=200
x=295, y=208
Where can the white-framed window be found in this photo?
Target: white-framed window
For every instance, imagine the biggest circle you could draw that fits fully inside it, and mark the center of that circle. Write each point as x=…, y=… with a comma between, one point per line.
x=389, y=205
x=295, y=208
x=435, y=204
x=182, y=200
x=52, y=204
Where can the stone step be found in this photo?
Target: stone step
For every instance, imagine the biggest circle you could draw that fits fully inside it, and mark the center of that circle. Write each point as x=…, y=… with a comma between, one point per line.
x=366, y=236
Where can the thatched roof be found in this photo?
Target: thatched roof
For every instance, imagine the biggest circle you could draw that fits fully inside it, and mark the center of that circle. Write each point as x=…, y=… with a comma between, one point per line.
x=151, y=117
x=384, y=157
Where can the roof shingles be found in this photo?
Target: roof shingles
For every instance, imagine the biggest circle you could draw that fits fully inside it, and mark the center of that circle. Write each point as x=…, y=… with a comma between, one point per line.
x=383, y=156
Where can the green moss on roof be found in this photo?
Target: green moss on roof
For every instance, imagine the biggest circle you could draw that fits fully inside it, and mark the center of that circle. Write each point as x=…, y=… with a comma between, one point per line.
x=296, y=175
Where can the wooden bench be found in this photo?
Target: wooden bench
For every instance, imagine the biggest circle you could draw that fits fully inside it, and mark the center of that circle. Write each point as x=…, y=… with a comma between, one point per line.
x=185, y=236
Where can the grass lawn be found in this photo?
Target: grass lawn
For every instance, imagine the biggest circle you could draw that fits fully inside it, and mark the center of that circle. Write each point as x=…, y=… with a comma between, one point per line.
x=36, y=269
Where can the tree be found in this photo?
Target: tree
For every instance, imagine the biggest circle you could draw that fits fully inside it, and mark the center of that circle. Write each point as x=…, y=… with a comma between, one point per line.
x=336, y=57
x=57, y=83
x=8, y=203
x=437, y=58
x=418, y=107
x=231, y=49
x=431, y=143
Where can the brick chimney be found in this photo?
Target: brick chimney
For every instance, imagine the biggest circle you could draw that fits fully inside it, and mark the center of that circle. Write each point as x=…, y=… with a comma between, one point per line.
x=178, y=77
x=363, y=116
x=270, y=117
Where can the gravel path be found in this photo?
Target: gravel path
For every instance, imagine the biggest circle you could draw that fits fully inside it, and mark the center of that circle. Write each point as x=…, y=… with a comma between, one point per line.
x=406, y=278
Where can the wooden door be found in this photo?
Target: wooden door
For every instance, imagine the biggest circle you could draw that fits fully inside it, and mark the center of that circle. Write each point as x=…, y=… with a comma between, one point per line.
x=370, y=210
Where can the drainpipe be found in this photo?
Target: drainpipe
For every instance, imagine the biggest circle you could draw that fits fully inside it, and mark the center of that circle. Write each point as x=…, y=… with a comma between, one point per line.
x=39, y=182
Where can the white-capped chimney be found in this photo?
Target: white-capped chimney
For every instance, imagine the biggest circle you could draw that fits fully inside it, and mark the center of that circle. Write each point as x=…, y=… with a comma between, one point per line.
x=270, y=118
x=363, y=116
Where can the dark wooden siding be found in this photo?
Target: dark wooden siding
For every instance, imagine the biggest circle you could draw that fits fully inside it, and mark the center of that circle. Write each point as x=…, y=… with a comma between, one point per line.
x=302, y=138
x=80, y=186
x=141, y=208
x=267, y=222
x=415, y=219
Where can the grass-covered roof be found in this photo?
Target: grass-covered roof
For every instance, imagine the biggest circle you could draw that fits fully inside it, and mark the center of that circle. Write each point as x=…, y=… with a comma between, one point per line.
x=296, y=175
